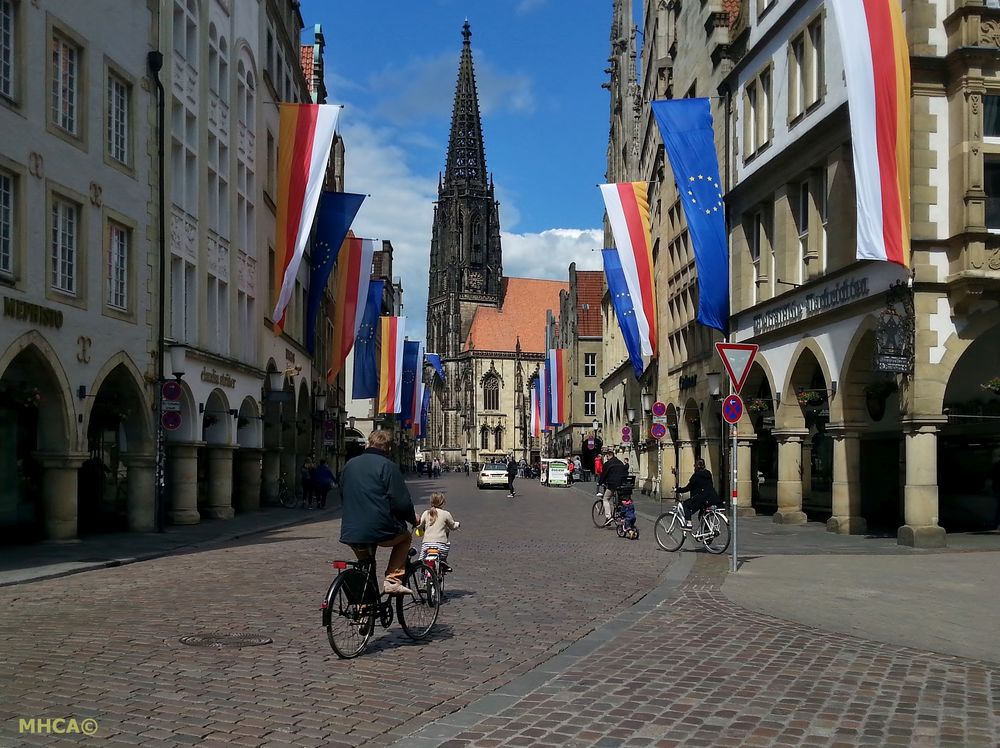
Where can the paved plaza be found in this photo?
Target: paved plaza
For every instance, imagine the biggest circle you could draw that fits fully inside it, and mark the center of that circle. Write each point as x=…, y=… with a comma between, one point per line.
x=556, y=633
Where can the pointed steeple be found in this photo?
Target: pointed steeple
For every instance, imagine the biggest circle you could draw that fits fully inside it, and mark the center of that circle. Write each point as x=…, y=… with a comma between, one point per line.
x=466, y=155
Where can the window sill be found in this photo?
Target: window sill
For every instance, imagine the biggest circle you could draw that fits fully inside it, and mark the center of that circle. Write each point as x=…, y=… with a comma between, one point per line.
x=77, y=141
x=122, y=315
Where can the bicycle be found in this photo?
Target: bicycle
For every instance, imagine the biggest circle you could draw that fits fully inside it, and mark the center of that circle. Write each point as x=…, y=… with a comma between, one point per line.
x=355, y=601
x=670, y=530
x=440, y=568
x=286, y=496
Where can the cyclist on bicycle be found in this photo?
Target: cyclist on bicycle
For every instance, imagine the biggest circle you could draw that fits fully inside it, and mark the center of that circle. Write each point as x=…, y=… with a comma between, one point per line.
x=613, y=475
x=376, y=509
x=702, y=490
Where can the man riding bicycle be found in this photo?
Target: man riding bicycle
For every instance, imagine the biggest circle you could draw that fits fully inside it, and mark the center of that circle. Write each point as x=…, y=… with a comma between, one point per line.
x=376, y=509
x=613, y=475
x=702, y=490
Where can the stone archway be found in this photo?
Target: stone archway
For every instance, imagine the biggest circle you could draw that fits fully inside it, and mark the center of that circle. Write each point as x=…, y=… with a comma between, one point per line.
x=301, y=433
x=757, y=463
x=182, y=462
x=36, y=445
x=216, y=458
x=689, y=439
x=116, y=487
x=248, y=465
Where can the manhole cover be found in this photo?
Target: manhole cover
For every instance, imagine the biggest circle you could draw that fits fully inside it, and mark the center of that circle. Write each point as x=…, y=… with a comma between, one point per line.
x=218, y=641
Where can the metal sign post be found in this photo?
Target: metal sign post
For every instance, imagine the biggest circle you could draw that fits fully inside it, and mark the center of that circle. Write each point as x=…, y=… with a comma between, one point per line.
x=732, y=459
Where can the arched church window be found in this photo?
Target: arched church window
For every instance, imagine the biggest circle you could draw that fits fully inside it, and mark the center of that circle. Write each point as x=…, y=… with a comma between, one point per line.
x=484, y=438
x=491, y=393
x=498, y=439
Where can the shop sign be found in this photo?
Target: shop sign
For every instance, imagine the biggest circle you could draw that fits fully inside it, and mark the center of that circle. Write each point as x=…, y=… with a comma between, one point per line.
x=894, y=332
x=214, y=377
x=686, y=382
x=33, y=313
x=811, y=304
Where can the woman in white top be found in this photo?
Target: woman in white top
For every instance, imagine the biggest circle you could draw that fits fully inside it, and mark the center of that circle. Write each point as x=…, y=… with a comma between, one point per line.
x=436, y=525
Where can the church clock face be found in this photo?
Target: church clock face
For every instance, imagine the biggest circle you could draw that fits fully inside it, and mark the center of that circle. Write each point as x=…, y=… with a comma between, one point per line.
x=477, y=281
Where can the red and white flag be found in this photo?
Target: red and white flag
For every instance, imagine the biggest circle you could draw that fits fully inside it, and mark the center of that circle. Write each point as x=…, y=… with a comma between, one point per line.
x=305, y=137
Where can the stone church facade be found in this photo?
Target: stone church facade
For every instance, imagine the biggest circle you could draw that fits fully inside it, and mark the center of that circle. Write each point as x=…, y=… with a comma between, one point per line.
x=488, y=329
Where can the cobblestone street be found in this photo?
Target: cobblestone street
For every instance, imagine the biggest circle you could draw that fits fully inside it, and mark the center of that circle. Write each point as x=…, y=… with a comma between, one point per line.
x=555, y=633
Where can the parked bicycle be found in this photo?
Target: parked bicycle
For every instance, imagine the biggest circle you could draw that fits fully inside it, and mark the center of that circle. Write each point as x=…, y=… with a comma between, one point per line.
x=286, y=496
x=355, y=601
x=670, y=529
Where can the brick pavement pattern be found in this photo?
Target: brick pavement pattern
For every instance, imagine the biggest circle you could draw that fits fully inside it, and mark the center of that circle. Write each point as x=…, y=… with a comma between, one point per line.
x=533, y=576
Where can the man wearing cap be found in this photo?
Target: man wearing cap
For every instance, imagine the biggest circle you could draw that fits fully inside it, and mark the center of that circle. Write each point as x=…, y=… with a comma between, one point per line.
x=613, y=475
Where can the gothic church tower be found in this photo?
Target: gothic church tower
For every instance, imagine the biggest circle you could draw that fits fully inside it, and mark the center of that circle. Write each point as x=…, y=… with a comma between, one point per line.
x=466, y=266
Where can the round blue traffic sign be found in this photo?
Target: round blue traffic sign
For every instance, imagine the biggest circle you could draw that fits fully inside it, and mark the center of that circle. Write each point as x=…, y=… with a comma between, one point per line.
x=732, y=408
x=658, y=431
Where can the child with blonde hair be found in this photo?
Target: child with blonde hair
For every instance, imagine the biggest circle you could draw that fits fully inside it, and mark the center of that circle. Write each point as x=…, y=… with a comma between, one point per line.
x=436, y=525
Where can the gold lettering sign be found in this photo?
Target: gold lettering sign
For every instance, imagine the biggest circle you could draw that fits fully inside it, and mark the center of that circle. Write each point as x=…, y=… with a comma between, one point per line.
x=214, y=377
x=33, y=313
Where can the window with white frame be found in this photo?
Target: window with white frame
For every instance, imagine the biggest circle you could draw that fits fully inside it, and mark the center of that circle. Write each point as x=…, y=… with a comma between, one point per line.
x=762, y=115
x=65, y=234
x=65, y=84
x=821, y=209
x=756, y=235
x=118, y=259
x=183, y=299
x=8, y=53
x=590, y=364
x=796, y=76
x=590, y=403
x=118, y=119
x=7, y=186
x=815, y=66
x=186, y=31
x=802, y=223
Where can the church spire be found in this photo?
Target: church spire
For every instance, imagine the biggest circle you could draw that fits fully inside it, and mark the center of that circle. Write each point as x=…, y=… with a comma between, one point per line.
x=466, y=155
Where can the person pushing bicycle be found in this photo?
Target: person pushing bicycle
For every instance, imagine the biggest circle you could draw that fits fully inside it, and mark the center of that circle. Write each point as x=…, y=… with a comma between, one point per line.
x=613, y=475
x=376, y=509
x=702, y=490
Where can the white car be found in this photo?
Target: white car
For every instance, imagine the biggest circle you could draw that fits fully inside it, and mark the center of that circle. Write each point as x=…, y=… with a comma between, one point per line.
x=493, y=474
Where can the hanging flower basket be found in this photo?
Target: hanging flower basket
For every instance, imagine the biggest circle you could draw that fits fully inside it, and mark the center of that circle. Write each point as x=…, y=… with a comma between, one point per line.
x=758, y=405
x=20, y=395
x=210, y=420
x=992, y=385
x=810, y=398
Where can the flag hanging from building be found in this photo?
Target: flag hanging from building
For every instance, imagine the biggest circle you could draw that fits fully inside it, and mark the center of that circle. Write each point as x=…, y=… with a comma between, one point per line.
x=334, y=216
x=877, y=72
x=418, y=410
x=411, y=352
x=559, y=404
x=628, y=214
x=305, y=137
x=542, y=396
x=390, y=372
x=366, y=362
x=536, y=414
x=351, y=281
x=425, y=410
x=624, y=311
x=689, y=140
x=434, y=359
x=418, y=391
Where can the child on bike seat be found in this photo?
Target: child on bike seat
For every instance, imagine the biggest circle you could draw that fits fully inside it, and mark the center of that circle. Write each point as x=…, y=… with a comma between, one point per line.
x=628, y=513
x=436, y=524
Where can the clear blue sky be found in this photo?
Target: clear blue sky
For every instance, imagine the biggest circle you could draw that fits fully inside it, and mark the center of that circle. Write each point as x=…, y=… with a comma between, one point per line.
x=539, y=66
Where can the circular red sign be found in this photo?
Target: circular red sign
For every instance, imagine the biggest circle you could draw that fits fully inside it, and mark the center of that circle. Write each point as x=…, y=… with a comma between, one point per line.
x=732, y=408
x=171, y=390
x=171, y=421
x=659, y=409
x=658, y=431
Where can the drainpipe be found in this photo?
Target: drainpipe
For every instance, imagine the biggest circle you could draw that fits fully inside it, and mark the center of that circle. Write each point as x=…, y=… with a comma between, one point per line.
x=155, y=62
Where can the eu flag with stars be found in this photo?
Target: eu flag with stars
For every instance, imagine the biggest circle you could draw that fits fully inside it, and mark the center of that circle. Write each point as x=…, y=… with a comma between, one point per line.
x=688, y=137
x=365, y=360
x=411, y=355
x=624, y=309
x=334, y=216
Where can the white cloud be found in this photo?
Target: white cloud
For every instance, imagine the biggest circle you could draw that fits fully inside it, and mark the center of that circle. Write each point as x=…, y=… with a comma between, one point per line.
x=548, y=254
x=526, y=6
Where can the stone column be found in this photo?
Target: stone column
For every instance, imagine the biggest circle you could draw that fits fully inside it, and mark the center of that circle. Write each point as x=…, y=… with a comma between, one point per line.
x=711, y=452
x=59, y=493
x=141, y=492
x=271, y=469
x=182, y=481
x=846, y=498
x=745, y=478
x=790, y=477
x=685, y=458
x=920, y=494
x=289, y=467
x=220, y=482
x=807, y=450
x=248, y=471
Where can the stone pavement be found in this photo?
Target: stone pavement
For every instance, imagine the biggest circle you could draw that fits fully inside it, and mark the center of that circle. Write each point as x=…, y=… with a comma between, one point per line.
x=556, y=633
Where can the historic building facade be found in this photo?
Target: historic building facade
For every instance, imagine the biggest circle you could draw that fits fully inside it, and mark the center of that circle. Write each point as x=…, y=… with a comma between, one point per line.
x=865, y=365
x=486, y=328
x=75, y=270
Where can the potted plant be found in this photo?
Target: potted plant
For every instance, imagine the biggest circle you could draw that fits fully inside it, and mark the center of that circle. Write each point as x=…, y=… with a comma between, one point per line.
x=810, y=398
x=992, y=385
x=758, y=405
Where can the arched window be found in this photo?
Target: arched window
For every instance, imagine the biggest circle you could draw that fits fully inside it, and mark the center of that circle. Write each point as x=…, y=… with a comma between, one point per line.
x=484, y=438
x=223, y=86
x=491, y=393
x=498, y=439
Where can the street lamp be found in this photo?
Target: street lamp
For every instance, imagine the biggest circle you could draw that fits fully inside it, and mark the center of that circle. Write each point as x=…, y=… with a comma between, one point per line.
x=321, y=403
x=178, y=356
x=596, y=424
x=647, y=401
x=630, y=412
x=714, y=383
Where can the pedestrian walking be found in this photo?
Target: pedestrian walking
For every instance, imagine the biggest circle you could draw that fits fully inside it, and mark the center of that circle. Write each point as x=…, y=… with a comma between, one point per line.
x=578, y=469
x=306, y=478
x=511, y=474
x=598, y=467
x=323, y=481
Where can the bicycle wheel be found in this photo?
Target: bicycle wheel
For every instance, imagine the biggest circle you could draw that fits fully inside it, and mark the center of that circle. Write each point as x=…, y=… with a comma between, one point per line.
x=718, y=524
x=349, y=616
x=597, y=514
x=286, y=497
x=419, y=612
x=668, y=531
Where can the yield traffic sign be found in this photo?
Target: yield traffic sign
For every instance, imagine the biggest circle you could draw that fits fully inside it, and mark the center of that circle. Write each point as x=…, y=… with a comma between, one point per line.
x=737, y=358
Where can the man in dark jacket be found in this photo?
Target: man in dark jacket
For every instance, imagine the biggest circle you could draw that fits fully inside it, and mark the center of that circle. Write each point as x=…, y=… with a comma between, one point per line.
x=511, y=475
x=376, y=508
x=613, y=475
x=701, y=488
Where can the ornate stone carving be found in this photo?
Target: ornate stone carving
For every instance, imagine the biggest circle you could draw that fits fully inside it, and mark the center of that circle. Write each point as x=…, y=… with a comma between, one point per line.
x=96, y=195
x=989, y=34
x=974, y=101
x=183, y=234
x=36, y=164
